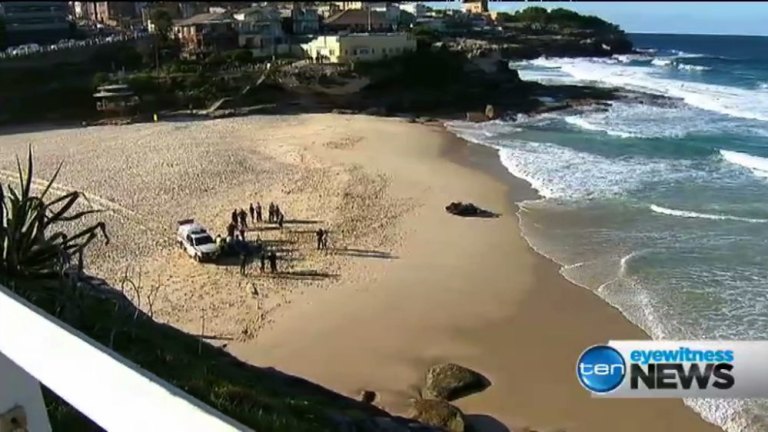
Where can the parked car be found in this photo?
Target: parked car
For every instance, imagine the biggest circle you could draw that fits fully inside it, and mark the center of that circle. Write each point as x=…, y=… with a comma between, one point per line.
x=195, y=240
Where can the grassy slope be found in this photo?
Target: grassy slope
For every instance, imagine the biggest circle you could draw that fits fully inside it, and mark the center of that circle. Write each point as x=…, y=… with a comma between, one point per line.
x=264, y=399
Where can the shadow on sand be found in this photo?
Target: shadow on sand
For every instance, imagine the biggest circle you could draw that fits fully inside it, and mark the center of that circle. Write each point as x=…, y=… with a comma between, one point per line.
x=304, y=275
x=363, y=253
x=301, y=221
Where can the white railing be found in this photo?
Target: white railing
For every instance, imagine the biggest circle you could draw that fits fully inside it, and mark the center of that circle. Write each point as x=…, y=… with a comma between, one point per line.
x=110, y=390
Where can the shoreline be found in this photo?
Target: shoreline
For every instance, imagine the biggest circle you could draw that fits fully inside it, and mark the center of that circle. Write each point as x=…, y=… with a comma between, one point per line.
x=532, y=311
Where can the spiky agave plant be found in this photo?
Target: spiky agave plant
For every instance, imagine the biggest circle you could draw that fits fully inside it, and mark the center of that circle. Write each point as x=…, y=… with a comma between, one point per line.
x=29, y=246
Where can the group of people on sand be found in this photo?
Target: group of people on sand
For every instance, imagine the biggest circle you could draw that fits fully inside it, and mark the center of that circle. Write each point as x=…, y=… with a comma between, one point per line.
x=236, y=235
x=264, y=257
x=239, y=221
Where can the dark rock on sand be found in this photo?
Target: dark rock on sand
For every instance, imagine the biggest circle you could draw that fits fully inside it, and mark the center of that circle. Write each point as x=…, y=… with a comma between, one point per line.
x=367, y=396
x=450, y=381
x=468, y=210
x=438, y=413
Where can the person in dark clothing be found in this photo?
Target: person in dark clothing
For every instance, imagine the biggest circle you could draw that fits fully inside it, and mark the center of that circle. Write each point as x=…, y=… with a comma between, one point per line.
x=258, y=212
x=252, y=211
x=231, y=230
x=277, y=212
x=280, y=219
x=258, y=246
x=242, y=233
x=243, y=261
x=325, y=241
x=243, y=219
x=271, y=212
x=263, y=259
x=234, y=216
x=273, y=262
x=320, y=234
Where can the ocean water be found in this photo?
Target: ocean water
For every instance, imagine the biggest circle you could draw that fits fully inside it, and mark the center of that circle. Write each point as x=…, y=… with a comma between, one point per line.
x=660, y=209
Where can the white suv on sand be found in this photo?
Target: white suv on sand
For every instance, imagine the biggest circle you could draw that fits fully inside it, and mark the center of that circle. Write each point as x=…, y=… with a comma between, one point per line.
x=196, y=241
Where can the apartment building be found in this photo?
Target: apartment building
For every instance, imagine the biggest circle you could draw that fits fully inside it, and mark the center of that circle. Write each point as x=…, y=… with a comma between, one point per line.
x=358, y=47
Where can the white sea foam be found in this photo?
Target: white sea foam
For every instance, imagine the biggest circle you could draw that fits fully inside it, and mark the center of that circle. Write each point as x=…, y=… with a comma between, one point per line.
x=560, y=172
x=691, y=214
x=585, y=123
x=762, y=85
x=684, y=54
x=634, y=120
x=756, y=164
x=736, y=102
x=690, y=67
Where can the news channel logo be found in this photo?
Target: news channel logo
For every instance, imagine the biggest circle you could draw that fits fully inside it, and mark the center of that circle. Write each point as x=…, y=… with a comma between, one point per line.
x=675, y=369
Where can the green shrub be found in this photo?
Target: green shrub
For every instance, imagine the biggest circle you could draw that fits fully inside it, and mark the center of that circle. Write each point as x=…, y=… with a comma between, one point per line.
x=28, y=249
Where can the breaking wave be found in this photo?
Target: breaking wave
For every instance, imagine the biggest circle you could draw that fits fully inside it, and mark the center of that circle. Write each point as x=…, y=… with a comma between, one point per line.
x=732, y=101
x=691, y=214
x=756, y=164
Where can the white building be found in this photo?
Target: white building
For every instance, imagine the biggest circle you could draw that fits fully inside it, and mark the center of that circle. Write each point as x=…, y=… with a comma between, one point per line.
x=416, y=9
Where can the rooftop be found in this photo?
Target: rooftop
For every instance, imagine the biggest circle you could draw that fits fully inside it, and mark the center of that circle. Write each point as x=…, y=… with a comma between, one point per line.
x=357, y=17
x=205, y=18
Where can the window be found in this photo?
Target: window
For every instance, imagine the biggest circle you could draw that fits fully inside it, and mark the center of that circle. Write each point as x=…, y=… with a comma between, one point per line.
x=373, y=50
x=346, y=52
x=332, y=52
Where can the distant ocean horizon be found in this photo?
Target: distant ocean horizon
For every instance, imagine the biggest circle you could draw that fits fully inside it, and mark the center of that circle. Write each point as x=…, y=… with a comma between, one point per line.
x=661, y=210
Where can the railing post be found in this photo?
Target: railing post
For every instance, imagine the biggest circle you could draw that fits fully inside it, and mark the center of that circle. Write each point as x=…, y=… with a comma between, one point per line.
x=20, y=389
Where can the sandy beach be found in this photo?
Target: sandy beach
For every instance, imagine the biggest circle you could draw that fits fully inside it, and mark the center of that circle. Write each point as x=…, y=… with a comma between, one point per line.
x=405, y=284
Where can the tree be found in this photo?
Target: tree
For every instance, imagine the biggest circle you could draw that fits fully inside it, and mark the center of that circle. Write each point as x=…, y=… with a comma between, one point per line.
x=505, y=17
x=242, y=56
x=162, y=21
x=535, y=14
x=425, y=37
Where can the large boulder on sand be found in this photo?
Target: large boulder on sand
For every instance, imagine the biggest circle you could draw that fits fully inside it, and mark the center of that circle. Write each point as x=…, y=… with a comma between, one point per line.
x=450, y=381
x=468, y=209
x=437, y=413
x=476, y=117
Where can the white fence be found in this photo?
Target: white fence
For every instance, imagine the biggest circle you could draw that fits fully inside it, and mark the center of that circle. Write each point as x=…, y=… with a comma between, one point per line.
x=110, y=390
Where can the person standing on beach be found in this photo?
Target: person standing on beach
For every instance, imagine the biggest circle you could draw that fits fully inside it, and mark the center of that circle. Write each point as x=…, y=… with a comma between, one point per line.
x=243, y=260
x=242, y=233
x=234, y=216
x=243, y=219
x=325, y=241
x=273, y=262
x=271, y=216
x=258, y=212
x=231, y=230
x=320, y=234
x=252, y=210
x=263, y=259
x=280, y=219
